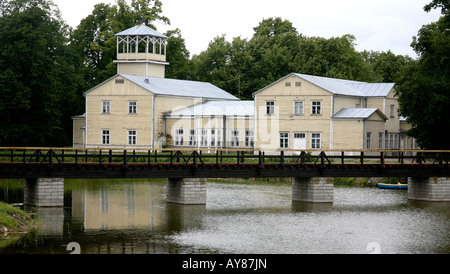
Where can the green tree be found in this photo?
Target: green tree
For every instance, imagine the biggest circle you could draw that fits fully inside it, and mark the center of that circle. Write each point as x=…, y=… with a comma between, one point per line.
x=177, y=56
x=424, y=86
x=385, y=66
x=38, y=78
x=335, y=57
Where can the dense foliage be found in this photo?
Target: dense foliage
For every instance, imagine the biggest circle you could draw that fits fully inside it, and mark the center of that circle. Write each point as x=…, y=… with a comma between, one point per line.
x=45, y=66
x=424, y=86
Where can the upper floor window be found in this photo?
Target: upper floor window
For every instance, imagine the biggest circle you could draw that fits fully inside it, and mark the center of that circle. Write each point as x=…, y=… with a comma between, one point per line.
x=132, y=107
x=270, y=107
x=106, y=106
x=392, y=111
x=316, y=107
x=298, y=107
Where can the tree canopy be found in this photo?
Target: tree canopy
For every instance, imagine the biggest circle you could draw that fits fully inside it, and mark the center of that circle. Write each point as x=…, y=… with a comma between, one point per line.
x=38, y=75
x=424, y=86
x=276, y=49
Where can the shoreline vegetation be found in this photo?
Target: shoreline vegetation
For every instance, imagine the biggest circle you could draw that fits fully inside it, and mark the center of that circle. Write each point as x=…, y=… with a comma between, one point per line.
x=14, y=220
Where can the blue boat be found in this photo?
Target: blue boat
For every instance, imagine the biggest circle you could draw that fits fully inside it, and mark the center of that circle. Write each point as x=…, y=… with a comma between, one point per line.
x=393, y=186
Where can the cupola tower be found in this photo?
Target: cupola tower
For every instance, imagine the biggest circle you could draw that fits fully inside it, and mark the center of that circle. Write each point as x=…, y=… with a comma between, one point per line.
x=141, y=51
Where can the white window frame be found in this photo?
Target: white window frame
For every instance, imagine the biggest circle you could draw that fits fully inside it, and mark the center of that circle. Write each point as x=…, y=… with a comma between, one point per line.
x=218, y=137
x=249, y=138
x=316, y=139
x=316, y=107
x=212, y=139
x=106, y=136
x=299, y=109
x=368, y=140
x=106, y=106
x=178, y=137
x=284, y=139
x=380, y=140
x=203, y=137
x=132, y=137
x=192, y=137
x=270, y=107
x=132, y=107
x=234, y=138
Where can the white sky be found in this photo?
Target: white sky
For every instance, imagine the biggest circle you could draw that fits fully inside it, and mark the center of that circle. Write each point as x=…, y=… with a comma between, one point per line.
x=379, y=25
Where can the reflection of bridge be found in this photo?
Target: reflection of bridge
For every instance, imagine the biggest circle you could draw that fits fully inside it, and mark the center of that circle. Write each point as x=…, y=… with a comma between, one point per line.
x=427, y=170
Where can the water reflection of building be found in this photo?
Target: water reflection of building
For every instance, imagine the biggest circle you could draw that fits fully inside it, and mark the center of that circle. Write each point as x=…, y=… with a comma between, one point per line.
x=118, y=206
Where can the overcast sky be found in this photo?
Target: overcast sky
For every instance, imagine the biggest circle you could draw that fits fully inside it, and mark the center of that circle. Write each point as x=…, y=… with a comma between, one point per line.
x=379, y=25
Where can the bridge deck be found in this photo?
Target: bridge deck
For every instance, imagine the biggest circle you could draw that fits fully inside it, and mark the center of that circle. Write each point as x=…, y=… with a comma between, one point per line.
x=219, y=163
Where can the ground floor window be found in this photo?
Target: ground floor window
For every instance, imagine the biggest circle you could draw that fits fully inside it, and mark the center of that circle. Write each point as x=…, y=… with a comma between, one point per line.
x=179, y=137
x=105, y=136
x=218, y=137
x=315, y=140
x=234, y=140
x=391, y=140
x=249, y=139
x=284, y=139
x=204, y=137
x=380, y=140
x=192, y=137
x=132, y=137
x=368, y=140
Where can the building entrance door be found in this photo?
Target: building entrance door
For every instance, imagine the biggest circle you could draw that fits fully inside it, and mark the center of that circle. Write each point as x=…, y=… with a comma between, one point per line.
x=299, y=140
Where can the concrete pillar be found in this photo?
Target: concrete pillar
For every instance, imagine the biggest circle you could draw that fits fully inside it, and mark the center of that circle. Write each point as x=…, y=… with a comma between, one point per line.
x=435, y=189
x=44, y=192
x=314, y=190
x=186, y=191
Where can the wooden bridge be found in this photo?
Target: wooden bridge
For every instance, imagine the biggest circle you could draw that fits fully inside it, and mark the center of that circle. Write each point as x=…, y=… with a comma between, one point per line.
x=218, y=163
x=44, y=169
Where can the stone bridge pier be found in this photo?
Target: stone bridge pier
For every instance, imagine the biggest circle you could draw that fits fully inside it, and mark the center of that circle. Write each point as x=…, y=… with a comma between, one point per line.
x=44, y=192
x=186, y=191
x=313, y=190
x=434, y=189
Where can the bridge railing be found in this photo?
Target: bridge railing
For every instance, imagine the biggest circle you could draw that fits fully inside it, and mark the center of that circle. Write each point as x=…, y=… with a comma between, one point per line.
x=197, y=157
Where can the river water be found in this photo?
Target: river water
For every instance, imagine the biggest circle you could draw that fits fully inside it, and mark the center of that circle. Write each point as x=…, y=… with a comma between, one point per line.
x=248, y=217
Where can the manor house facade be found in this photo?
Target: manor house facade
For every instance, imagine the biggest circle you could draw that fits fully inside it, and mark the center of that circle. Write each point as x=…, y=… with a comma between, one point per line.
x=140, y=108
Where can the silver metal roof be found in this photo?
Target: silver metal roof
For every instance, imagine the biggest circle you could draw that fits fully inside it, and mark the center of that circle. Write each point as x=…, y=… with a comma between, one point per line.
x=216, y=108
x=344, y=87
x=181, y=88
x=374, y=89
x=357, y=113
x=141, y=29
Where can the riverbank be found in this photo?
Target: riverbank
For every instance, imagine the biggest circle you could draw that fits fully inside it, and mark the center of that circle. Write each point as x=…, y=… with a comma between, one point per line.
x=14, y=220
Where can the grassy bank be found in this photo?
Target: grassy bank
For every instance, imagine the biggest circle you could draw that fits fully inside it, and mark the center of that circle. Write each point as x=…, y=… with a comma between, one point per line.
x=13, y=220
